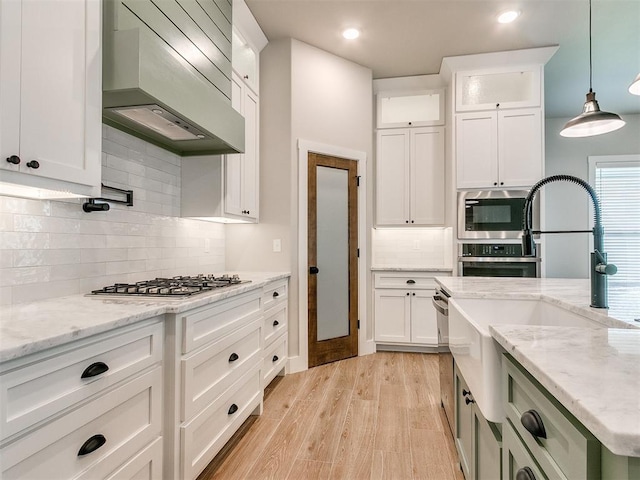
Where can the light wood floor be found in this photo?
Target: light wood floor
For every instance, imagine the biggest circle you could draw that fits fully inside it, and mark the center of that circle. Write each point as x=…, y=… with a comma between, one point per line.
x=371, y=417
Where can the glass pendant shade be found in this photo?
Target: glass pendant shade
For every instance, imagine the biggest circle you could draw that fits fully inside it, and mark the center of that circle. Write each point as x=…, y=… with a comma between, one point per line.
x=592, y=121
x=634, y=88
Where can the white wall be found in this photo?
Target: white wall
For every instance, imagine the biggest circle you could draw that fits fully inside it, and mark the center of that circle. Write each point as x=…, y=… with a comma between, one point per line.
x=567, y=205
x=305, y=93
x=52, y=248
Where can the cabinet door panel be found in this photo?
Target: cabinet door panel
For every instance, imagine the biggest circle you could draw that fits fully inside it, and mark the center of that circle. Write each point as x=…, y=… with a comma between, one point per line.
x=250, y=158
x=424, y=328
x=486, y=449
x=392, y=316
x=10, y=42
x=476, y=150
x=463, y=426
x=427, y=176
x=520, y=147
x=233, y=163
x=60, y=70
x=392, y=178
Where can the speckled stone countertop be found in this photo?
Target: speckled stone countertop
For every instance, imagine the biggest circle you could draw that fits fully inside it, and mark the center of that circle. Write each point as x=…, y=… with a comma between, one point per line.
x=594, y=373
x=30, y=327
x=411, y=269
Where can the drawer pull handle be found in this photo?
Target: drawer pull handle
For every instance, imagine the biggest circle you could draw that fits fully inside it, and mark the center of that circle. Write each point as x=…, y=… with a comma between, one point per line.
x=92, y=445
x=275, y=358
x=525, y=473
x=94, y=370
x=276, y=294
x=411, y=282
x=233, y=357
x=468, y=400
x=532, y=421
x=276, y=323
x=233, y=409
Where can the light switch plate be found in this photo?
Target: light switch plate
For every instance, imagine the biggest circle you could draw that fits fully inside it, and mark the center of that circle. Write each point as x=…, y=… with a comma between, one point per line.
x=277, y=245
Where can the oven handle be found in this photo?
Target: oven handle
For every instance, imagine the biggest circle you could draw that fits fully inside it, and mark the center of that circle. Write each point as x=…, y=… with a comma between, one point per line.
x=440, y=305
x=500, y=259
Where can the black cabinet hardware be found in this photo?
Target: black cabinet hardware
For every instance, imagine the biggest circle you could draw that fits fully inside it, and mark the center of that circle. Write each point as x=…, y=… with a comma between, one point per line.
x=246, y=77
x=276, y=323
x=525, y=473
x=465, y=392
x=92, y=445
x=411, y=282
x=414, y=294
x=468, y=400
x=314, y=270
x=275, y=358
x=233, y=409
x=94, y=370
x=14, y=159
x=233, y=357
x=407, y=294
x=532, y=421
x=276, y=294
x=33, y=164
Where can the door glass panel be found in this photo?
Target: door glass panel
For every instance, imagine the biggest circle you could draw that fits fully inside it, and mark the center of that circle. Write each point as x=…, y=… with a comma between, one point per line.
x=332, y=252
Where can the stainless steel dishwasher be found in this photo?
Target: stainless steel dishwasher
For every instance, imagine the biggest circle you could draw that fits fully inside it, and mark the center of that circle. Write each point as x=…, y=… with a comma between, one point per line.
x=445, y=359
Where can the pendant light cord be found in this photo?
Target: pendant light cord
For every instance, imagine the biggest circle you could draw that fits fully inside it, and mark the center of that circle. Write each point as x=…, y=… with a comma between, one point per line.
x=590, y=59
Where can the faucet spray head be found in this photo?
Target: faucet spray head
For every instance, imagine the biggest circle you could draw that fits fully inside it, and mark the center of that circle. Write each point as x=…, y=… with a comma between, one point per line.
x=528, y=245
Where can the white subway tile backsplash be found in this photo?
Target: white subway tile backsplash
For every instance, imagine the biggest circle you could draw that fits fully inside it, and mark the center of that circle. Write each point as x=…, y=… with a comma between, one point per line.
x=53, y=248
x=411, y=247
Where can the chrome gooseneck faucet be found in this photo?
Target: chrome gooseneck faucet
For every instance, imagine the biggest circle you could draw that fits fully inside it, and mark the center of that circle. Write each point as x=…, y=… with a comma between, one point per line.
x=599, y=266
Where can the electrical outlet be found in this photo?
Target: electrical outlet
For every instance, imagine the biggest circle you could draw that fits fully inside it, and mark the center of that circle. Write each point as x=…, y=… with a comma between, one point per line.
x=277, y=245
x=207, y=245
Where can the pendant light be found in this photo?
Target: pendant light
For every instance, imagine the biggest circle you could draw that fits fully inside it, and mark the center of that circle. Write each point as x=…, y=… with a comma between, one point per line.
x=592, y=121
x=634, y=88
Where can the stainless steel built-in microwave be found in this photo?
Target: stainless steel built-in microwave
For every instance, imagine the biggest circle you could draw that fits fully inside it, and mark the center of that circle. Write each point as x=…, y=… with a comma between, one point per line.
x=490, y=214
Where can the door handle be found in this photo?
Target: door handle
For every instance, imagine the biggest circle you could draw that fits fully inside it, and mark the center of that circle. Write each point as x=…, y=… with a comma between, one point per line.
x=313, y=270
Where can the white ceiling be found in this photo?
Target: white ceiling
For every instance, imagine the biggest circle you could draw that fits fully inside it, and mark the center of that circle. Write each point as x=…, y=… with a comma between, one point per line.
x=410, y=37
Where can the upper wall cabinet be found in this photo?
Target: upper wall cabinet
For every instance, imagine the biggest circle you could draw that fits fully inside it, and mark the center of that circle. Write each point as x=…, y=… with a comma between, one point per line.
x=50, y=93
x=491, y=89
x=410, y=109
x=245, y=60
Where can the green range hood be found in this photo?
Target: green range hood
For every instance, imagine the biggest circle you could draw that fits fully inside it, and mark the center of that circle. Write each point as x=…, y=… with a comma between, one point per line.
x=151, y=91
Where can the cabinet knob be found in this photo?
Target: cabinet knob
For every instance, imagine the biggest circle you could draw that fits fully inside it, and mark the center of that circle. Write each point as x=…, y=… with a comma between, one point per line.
x=468, y=400
x=94, y=370
x=532, y=421
x=14, y=159
x=414, y=294
x=525, y=473
x=275, y=358
x=410, y=123
x=276, y=323
x=497, y=105
x=33, y=164
x=495, y=183
x=406, y=221
x=233, y=409
x=276, y=294
x=248, y=212
x=246, y=77
x=91, y=445
x=501, y=183
x=233, y=357
x=411, y=221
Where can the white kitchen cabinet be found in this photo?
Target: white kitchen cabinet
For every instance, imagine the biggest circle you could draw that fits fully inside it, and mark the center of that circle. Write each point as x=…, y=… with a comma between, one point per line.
x=242, y=170
x=103, y=393
x=275, y=329
x=410, y=108
x=410, y=180
x=403, y=310
x=51, y=97
x=504, y=87
x=499, y=148
x=246, y=59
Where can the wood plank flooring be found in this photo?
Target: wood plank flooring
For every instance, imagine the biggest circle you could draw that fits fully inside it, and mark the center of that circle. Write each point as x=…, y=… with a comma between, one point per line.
x=372, y=418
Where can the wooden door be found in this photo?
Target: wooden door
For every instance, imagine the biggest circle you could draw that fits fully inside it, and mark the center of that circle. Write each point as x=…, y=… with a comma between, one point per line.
x=333, y=259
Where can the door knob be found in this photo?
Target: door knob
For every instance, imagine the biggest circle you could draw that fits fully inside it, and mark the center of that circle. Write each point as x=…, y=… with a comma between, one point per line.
x=313, y=270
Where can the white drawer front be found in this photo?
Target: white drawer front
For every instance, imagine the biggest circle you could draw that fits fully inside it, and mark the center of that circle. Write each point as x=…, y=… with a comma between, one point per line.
x=129, y=417
x=275, y=293
x=210, y=371
x=275, y=359
x=206, y=324
x=204, y=436
x=417, y=280
x=275, y=324
x=52, y=382
x=146, y=465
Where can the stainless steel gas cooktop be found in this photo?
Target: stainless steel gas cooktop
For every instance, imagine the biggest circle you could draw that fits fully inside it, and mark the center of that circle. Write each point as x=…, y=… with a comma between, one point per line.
x=176, y=287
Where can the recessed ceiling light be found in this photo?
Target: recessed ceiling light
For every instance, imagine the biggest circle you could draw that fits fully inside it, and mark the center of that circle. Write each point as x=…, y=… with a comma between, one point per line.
x=351, y=33
x=508, y=17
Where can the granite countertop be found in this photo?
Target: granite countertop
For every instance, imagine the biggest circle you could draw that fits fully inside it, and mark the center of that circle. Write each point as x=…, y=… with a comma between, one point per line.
x=31, y=327
x=594, y=373
x=412, y=269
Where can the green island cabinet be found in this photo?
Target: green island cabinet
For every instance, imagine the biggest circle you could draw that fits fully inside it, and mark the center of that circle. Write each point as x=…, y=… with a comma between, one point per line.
x=554, y=445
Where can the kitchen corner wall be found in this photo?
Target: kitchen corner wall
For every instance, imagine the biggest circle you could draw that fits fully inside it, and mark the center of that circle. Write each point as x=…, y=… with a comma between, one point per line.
x=411, y=247
x=52, y=248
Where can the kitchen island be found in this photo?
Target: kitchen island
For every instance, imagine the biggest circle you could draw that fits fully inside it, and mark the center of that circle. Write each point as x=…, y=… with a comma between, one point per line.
x=591, y=372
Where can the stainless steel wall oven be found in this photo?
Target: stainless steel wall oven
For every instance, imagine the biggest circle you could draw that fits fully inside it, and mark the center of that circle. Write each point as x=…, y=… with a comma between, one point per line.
x=496, y=260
